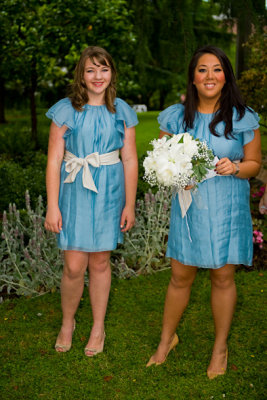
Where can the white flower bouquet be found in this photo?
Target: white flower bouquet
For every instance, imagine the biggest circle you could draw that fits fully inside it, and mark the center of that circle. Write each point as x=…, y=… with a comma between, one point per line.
x=177, y=161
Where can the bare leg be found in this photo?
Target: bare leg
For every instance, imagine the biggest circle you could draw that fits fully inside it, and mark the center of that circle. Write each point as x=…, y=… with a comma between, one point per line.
x=177, y=298
x=72, y=284
x=99, y=287
x=223, y=300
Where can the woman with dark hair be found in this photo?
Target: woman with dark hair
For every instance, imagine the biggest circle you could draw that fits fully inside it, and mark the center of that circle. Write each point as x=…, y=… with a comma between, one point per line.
x=217, y=230
x=90, y=191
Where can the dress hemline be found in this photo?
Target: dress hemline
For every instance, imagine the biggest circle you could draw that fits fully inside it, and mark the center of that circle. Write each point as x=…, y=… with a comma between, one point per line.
x=88, y=250
x=249, y=264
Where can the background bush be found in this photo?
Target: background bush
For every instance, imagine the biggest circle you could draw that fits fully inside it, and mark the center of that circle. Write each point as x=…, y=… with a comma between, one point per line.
x=17, y=177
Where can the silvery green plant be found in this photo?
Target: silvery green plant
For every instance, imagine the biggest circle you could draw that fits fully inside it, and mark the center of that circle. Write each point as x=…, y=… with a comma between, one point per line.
x=145, y=244
x=31, y=263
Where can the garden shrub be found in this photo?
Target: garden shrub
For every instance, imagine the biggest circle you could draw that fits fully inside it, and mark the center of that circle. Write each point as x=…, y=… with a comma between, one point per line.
x=30, y=260
x=145, y=245
x=15, y=140
x=253, y=81
x=16, y=178
x=142, y=187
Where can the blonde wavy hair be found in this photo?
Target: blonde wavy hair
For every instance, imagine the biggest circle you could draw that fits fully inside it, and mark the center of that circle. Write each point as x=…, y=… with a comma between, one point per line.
x=78, y=93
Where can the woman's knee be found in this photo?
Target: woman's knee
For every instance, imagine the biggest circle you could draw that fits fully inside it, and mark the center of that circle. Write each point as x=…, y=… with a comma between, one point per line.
x=99, y=262
x=73, y=271
x=183, y=276
x=223, y=279
x=75, y=264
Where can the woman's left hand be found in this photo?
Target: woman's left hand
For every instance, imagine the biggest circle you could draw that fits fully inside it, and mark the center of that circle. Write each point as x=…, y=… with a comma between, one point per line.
x=189, y=187
x=127, y=219
x=225, y=167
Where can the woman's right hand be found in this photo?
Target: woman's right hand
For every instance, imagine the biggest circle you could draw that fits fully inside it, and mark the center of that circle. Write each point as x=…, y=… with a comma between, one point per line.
x=53, y=220
x=263, y=203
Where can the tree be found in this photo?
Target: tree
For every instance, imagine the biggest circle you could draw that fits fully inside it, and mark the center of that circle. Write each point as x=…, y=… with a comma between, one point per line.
x=253, y=81
x=168, y=31
x=247, y=15
x=48, y=37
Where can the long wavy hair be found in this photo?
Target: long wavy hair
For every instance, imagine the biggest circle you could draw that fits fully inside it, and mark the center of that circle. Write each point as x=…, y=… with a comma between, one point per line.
x=78, y=92
x=230, y=94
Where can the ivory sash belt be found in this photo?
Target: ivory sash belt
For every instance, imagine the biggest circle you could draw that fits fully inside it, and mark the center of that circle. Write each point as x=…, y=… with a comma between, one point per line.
x=74, y=164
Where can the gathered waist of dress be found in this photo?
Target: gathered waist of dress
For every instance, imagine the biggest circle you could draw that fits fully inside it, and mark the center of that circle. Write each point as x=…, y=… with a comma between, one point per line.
x=74, y=164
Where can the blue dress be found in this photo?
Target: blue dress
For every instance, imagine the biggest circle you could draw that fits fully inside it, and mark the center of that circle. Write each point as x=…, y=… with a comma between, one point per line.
x=218, y=220
x=91, y=221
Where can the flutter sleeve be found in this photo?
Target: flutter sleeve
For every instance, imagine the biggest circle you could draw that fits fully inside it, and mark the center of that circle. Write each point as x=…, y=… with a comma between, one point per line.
x=246, y=125
x=62, y=113
x=124, y=114
x=171, y=119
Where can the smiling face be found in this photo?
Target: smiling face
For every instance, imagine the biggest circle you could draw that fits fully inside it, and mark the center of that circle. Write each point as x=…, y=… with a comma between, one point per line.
x=209, y=78
x=97, y=78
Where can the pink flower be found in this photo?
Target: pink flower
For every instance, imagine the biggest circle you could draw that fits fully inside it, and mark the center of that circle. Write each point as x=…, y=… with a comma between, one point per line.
x=260, y=193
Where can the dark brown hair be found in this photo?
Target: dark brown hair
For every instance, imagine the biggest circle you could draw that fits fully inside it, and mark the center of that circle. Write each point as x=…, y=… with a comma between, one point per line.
x=78, y=93
x=230, y=95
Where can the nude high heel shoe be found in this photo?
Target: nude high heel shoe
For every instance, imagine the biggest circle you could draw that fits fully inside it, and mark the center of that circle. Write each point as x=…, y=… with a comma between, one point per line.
x=173, y=344
x=94, y=352
x=63, y=348
x=214, y=374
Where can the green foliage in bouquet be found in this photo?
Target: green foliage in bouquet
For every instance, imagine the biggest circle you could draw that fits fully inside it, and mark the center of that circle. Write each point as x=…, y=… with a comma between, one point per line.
x=202, y=161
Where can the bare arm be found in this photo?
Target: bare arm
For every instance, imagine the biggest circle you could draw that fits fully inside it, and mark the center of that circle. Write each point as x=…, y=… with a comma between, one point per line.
x=162, y=133
x=263, y=202
x=130, y=165
x=56, y=145
x=250, y=164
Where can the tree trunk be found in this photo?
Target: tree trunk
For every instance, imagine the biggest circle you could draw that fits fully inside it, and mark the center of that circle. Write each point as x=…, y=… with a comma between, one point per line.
x=33, y=88
x=162, y=96
x=244, y=24
x=2, y=101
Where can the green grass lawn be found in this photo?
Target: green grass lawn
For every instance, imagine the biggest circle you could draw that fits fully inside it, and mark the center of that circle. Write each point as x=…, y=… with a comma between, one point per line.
x=31, y=369
x=146, y=130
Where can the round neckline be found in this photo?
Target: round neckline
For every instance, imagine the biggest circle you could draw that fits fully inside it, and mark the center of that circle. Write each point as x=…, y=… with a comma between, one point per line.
x=94, y=106
x=201, y=113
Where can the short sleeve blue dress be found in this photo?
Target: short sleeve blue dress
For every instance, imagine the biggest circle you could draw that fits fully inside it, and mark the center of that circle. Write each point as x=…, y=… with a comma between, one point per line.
x=91, y=221
x=217, y=229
